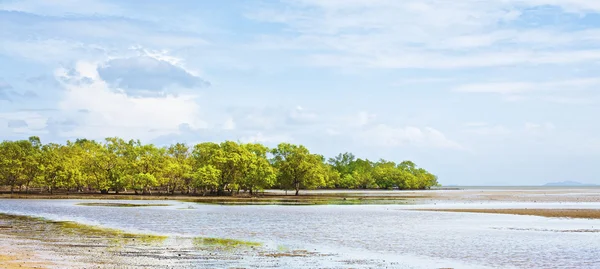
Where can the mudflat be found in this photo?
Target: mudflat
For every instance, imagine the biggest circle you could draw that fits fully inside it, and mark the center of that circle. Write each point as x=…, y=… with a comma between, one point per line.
x=29, y=242
x=553, y=213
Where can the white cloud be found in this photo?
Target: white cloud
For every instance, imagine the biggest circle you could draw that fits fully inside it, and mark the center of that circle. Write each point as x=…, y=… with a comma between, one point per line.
x=488, y=130
x=29, y=122
x=476, y=124
x=62, y=7
x=300, y=115
x=539, y=127
x=140, y=75
x=498, y=130
x=570, y=100
x=267, y=139
x=364, y=118
x=427, y=33
x=52, y=50
x=511, y=88
x=229, y=124
x=388, y=136
x=112, y=113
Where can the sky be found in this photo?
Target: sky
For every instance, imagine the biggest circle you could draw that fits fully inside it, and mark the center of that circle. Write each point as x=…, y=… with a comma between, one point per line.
x=495, y=92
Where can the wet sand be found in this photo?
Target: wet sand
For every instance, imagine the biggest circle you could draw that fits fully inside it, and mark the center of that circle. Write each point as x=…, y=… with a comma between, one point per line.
x=533, y=195
x=551, y=213
x=12, y=257
x=27, y=242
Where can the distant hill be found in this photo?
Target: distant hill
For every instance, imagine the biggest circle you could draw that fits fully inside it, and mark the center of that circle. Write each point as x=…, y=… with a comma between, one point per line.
x=568, y=183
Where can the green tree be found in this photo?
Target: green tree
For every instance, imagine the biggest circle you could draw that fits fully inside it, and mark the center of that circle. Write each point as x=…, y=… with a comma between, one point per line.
x=11, y=163
x=206, y=178
x=178, y=168
x=258, y=173
x=297, y=167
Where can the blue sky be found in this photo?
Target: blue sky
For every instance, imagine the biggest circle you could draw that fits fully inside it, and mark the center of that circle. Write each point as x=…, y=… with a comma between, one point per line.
x=489, y=92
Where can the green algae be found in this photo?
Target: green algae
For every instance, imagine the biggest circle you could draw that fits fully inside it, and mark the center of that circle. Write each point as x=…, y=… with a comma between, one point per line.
x=114, y=234
x=34, y=227
x=223, y=243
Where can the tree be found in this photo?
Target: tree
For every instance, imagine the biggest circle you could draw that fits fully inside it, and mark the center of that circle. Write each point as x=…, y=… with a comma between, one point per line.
x=258, y=173
x=53, y=170
x=32, y=161
x=297, y=167
x=11, y=163
x=119, y=165
x=228, y=157
x=206, y=178
x=177, y=168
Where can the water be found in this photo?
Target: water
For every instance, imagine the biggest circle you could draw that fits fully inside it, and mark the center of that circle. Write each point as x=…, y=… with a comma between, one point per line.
x=398, y=237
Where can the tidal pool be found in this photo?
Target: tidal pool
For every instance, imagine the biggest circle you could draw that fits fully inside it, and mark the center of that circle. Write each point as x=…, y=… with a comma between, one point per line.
x=357, y=236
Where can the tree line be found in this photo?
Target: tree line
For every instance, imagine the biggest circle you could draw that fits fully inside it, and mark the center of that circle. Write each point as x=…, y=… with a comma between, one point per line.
x=203, y=169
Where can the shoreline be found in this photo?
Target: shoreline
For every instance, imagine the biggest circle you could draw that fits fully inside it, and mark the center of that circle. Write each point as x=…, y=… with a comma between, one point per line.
x=576, y=195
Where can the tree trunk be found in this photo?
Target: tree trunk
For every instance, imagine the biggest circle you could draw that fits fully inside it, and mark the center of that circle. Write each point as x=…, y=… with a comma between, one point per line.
x=297, y=188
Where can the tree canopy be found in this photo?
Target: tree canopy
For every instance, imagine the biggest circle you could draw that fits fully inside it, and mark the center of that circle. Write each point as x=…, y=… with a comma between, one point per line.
x=204, y=169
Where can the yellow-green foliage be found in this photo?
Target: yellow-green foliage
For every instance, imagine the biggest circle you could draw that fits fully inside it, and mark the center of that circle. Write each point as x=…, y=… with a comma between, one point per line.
x=223, y=243
x=206, y=168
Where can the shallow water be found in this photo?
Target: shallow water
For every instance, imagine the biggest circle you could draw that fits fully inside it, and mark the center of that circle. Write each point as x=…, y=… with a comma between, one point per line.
x=386, y=235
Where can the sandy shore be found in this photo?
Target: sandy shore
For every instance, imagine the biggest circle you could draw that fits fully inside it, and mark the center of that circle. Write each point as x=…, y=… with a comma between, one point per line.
x=553, y=213
x=12, y=256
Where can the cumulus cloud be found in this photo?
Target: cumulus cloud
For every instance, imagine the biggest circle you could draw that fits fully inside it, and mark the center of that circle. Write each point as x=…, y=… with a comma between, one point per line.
x=142, y=75
x=109, y=112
